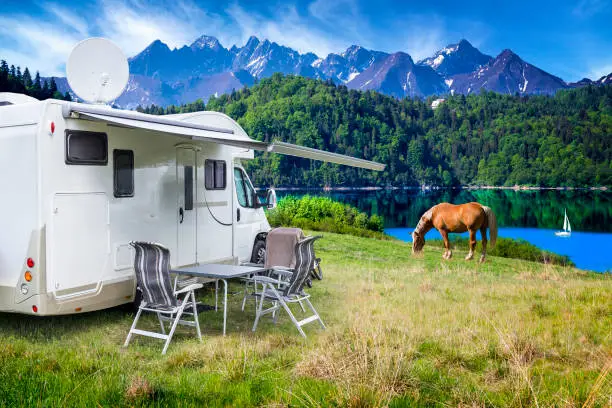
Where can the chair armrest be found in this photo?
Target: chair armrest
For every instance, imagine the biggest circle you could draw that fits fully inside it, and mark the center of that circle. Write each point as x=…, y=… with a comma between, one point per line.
x=189, y=288
x=265, y=279
x=281, y=271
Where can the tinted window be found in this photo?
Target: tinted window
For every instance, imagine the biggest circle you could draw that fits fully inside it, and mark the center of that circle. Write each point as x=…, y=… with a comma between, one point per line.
x=240, y=190
x=188, y=187
x=244, y=190
x=123, y=173
x=86, y=148
x=215, y=175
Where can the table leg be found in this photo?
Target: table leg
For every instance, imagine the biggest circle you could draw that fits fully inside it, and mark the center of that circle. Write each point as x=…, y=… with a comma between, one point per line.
x=224, y=305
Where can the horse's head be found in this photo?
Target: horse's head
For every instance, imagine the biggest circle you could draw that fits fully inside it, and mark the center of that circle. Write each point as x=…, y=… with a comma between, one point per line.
x=418, y=242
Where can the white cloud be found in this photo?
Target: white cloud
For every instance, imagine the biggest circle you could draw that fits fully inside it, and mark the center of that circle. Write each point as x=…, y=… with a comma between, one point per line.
x=421, y=35
x=133, y=25
x=71, y=20
x=597, y=72
x=38, y=45
x=286, y=27
x=588, y=8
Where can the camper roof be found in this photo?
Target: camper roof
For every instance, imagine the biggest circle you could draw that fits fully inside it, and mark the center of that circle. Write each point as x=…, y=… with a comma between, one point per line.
x=181, y=126
x=10, y=98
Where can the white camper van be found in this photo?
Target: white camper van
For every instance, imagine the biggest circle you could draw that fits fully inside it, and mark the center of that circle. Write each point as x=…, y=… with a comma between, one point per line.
x=80, y=181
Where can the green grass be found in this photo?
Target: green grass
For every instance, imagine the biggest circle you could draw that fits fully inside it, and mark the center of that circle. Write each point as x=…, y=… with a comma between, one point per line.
x=402, y=331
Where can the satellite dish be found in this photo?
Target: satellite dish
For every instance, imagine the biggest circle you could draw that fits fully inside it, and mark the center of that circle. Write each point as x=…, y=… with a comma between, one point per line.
x=97, y=70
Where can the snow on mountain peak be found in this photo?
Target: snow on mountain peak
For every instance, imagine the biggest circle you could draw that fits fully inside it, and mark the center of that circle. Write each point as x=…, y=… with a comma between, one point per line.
x=206, y=41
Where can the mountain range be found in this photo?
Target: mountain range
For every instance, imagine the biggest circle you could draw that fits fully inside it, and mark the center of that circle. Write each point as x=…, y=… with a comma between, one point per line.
x=163, y=76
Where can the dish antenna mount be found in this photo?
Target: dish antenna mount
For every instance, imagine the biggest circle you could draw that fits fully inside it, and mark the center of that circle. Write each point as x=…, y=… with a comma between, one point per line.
x=97, y=70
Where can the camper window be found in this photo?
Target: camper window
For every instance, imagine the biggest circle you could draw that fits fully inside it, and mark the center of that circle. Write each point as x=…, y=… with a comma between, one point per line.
x=123, y=173
x=86, y=148
x=188, y=188
x=244, y=190
x=215, y=175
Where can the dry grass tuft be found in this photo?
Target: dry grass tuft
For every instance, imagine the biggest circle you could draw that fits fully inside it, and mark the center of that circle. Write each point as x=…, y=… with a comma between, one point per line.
x=519, y=350
x=426, y=286
x=139, y=388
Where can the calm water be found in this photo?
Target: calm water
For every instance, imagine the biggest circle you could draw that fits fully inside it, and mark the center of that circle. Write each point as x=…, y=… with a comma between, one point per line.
x=530, y=215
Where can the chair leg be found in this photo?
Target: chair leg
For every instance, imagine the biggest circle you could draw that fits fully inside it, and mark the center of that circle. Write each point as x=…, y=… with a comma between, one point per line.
x=275, y=313
x=246, y=292
x=302, y=306
x=161, y=323
x=315, y=312
x=129, y=336
x=216, y=295
x=293, y=319
x=260, y=307
x=195, y=315
x=275, y=305
x=176, y=321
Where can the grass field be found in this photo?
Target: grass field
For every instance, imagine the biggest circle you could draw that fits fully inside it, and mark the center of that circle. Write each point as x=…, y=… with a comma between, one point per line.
x=402, y=331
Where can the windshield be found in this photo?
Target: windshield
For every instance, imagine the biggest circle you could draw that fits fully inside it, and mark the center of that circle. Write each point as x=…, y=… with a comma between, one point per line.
x=244, y=190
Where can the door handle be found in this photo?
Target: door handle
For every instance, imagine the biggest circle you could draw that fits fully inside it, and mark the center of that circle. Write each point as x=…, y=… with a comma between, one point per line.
x=181, y=215
x=237, y=214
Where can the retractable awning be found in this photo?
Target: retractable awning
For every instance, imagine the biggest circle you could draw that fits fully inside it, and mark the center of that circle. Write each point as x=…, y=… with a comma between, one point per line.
x=194, y=131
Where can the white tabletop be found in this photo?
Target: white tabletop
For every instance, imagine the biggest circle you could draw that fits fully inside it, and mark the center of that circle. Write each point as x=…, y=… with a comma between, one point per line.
x=218, y=271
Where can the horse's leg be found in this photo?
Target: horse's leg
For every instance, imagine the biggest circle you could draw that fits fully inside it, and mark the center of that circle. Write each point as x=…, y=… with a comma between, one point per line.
x=483, y=233
x=447, y=252
x=470, y=255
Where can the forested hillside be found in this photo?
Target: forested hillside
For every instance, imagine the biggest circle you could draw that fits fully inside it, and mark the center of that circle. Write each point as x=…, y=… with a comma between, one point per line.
x=13, y=80
x=485, y=139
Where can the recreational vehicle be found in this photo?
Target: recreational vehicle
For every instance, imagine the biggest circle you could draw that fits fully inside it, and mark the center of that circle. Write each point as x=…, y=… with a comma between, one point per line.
x=80, y=181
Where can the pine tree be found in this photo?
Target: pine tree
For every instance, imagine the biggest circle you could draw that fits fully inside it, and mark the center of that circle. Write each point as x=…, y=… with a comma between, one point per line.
x=12, y=72
x=52, y=86
x=27, y=78
x=36, y=85
x=44, y=93
x=4, y=71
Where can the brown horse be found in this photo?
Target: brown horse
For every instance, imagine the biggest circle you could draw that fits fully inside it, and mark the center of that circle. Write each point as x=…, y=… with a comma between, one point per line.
x=447, y=218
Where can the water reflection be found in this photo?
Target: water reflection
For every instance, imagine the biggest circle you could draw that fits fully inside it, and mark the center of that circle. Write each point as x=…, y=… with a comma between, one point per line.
x=587, y=210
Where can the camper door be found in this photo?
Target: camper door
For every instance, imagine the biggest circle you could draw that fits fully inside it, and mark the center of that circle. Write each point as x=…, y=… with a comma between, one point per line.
x=186, y=214
x=247, y=215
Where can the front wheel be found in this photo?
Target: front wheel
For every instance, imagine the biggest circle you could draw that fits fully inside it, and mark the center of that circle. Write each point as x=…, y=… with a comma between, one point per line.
x=317, y=272
x=258, y=256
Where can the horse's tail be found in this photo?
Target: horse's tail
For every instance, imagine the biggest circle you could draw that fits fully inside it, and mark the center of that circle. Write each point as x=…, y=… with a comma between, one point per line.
x=492, y=221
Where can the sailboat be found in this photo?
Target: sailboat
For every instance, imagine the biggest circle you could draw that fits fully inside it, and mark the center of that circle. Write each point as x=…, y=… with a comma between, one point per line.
x=567, y=228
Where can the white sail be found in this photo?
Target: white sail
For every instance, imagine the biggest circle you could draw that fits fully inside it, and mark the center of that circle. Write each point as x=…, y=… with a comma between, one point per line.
x=567, y=228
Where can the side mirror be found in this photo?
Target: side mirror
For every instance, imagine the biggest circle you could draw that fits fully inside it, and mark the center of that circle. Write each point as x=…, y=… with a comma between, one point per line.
x=271, y=199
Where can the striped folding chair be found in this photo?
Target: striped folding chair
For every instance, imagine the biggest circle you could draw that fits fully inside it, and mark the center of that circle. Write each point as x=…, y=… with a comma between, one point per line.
x=152, y=267
x=283, y=293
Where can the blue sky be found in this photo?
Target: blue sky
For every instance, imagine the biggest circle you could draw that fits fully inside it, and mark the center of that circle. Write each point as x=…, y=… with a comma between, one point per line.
x=571, y=39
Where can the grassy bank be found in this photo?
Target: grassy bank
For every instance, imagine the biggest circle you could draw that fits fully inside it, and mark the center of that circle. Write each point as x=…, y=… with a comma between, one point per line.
x=510, y=248
x=402, y=331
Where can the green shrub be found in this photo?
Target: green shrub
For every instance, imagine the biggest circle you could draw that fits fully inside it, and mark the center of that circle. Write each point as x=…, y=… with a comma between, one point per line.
x=325, y=214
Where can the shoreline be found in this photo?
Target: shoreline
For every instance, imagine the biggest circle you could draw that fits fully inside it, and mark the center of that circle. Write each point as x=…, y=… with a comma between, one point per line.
x=434, y=188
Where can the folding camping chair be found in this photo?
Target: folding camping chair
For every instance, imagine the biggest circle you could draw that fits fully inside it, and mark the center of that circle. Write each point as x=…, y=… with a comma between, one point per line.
x=152, y=267
x=280, y=255
x=282, y=293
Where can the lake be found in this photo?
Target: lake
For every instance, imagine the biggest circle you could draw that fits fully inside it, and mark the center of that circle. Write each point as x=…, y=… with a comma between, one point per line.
x=531, y=215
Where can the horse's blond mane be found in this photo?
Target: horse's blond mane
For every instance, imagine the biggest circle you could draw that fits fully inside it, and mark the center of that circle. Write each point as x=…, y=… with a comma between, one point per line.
x=425, y=218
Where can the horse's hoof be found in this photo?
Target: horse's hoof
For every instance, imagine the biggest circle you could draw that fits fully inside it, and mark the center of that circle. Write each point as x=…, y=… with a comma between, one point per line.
x=481, y=260
x=469, y=258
